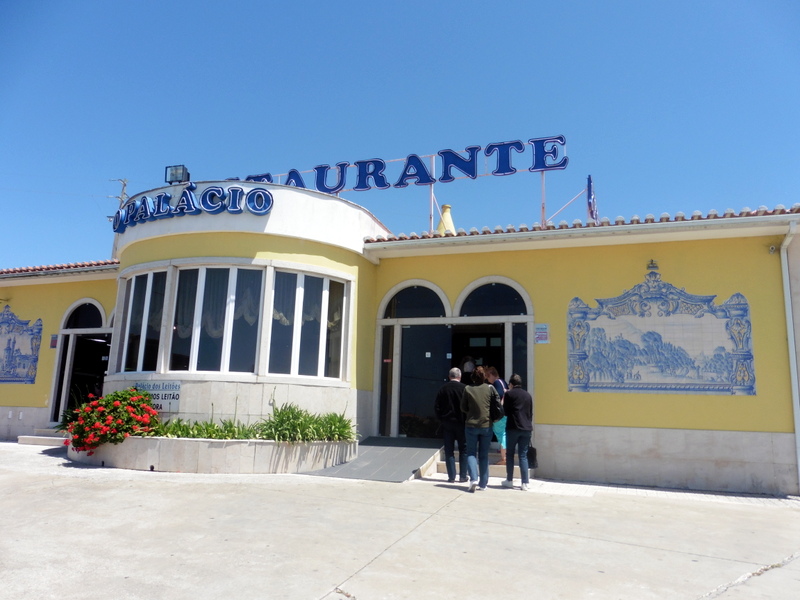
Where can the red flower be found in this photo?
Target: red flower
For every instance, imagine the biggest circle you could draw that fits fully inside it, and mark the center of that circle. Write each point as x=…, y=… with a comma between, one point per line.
x=91, y=395
x=117, y=403
x=88, y=409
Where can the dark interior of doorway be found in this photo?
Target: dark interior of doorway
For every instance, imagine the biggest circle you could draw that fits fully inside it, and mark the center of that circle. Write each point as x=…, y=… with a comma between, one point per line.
x=429, y=352
x=89, y=365
x=482, y=343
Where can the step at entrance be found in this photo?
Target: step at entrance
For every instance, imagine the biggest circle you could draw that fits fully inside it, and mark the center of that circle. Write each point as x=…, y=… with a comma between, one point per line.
x=43, y=437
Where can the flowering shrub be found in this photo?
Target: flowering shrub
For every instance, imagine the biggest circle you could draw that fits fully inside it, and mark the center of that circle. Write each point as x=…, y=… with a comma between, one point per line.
x=111, y=419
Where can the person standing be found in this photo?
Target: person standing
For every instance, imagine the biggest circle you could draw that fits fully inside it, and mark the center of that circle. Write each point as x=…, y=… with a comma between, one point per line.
x=478, y=427
x=498, y=427
x=448, y=409
x=518, y=406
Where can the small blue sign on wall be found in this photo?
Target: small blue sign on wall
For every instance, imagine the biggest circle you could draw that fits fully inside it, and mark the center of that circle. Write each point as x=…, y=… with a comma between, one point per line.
x=19, y=343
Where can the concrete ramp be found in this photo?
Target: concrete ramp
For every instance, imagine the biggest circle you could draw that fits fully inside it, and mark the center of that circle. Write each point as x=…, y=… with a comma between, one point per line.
x=386, y=459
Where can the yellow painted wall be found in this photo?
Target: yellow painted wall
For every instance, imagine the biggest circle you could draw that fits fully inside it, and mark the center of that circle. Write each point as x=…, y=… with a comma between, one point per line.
x=266, y=247
x=554, y=276
x=48, y=298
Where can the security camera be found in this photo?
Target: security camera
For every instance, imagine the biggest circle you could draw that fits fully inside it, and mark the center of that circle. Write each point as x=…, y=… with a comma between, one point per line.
x=772, y=249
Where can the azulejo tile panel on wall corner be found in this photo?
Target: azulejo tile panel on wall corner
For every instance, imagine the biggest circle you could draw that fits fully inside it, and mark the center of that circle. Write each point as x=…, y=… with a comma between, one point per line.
x=19, y=348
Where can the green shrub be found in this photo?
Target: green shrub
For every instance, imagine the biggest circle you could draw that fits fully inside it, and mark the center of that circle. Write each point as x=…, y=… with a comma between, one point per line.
x=288, y=423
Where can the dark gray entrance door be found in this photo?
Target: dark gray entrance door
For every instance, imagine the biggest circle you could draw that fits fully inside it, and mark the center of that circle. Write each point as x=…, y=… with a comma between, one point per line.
x=425, y=356
x=86, y=373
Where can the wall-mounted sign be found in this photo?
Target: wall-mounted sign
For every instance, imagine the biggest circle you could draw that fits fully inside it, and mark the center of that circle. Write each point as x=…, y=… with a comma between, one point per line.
x=541, y=333
x=166, y=395
x=371, y=173
x=212, y=200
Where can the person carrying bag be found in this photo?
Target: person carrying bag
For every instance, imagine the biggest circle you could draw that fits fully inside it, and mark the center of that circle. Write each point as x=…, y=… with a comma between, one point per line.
x=518, y=407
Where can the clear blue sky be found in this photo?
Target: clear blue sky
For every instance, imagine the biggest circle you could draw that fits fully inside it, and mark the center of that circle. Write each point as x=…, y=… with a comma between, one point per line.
x=670, y=106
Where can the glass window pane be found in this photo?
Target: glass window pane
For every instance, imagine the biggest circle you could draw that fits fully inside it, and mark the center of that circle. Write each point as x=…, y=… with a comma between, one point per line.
x=182, y=327
x=333, y=330
x=519, y=357
x=280, y=350
x=212, y=320
x=310, y=332
x=135, y=325
x=493, y=299
x=246, y=321
x=412, y=302
x=153, y=330
x=85, y=316
x=124, y=324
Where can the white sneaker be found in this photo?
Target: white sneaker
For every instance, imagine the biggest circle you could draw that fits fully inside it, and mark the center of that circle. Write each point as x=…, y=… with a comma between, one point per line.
x=473, y=485
x=507, y=484
x=524, y=487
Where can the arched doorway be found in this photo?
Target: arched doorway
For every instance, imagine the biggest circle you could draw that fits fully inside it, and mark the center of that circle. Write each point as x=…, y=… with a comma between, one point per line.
x=420, y=340
x=84, y=344
x=493, y=329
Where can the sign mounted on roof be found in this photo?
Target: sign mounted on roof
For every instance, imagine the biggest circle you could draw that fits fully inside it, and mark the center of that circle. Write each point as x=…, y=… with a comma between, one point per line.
x=371, y=173
x=211, y=199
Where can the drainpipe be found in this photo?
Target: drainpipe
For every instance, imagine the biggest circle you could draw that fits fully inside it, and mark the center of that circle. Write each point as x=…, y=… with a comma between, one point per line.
x=787, y=302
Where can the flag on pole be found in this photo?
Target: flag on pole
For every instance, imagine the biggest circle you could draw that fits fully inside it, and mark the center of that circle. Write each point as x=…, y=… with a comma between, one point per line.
x=591, y=202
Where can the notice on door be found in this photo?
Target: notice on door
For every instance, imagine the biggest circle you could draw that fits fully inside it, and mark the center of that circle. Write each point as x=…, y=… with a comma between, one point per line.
x=166, y=395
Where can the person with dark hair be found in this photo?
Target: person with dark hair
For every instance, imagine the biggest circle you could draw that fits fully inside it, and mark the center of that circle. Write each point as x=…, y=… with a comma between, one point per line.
x=518, y=406
x=498, y=427
x=478, y=427
x=448, y=409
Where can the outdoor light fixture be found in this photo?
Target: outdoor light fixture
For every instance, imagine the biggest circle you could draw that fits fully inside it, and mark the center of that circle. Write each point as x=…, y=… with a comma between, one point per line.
x=176, y=174
x=652, y=265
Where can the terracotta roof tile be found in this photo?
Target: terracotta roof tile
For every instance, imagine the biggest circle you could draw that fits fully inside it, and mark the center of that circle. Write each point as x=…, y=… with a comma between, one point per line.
x=81, y=266
x=604, y=222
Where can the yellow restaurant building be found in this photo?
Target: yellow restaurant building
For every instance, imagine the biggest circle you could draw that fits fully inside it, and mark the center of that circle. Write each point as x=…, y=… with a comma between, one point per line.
x=660, y=352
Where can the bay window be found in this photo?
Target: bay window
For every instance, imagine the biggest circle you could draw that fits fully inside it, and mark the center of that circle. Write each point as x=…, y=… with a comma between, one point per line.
x=217, y=321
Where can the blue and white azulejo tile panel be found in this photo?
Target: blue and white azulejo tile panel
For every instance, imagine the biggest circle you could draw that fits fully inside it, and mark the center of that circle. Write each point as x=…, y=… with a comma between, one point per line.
x=656, y=338
x=19, y=348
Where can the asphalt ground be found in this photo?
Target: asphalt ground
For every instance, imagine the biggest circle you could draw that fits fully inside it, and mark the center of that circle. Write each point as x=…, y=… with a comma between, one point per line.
x=71, y=531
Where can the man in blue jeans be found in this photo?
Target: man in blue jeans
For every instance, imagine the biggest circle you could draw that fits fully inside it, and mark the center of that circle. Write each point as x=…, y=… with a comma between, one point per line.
x=478, y=427
x=448, y=409
x=518, y=406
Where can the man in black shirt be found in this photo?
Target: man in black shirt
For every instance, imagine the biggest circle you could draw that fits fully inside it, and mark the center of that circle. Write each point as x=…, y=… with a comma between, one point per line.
x=518, y=406
x=448, y=409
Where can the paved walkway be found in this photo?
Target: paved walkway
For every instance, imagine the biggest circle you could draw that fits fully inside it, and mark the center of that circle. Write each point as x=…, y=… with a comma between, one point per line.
x=72, y=532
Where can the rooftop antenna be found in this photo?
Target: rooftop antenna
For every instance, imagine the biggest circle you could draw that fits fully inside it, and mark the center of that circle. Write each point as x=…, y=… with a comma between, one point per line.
x=123, y=196
x=121, y=199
